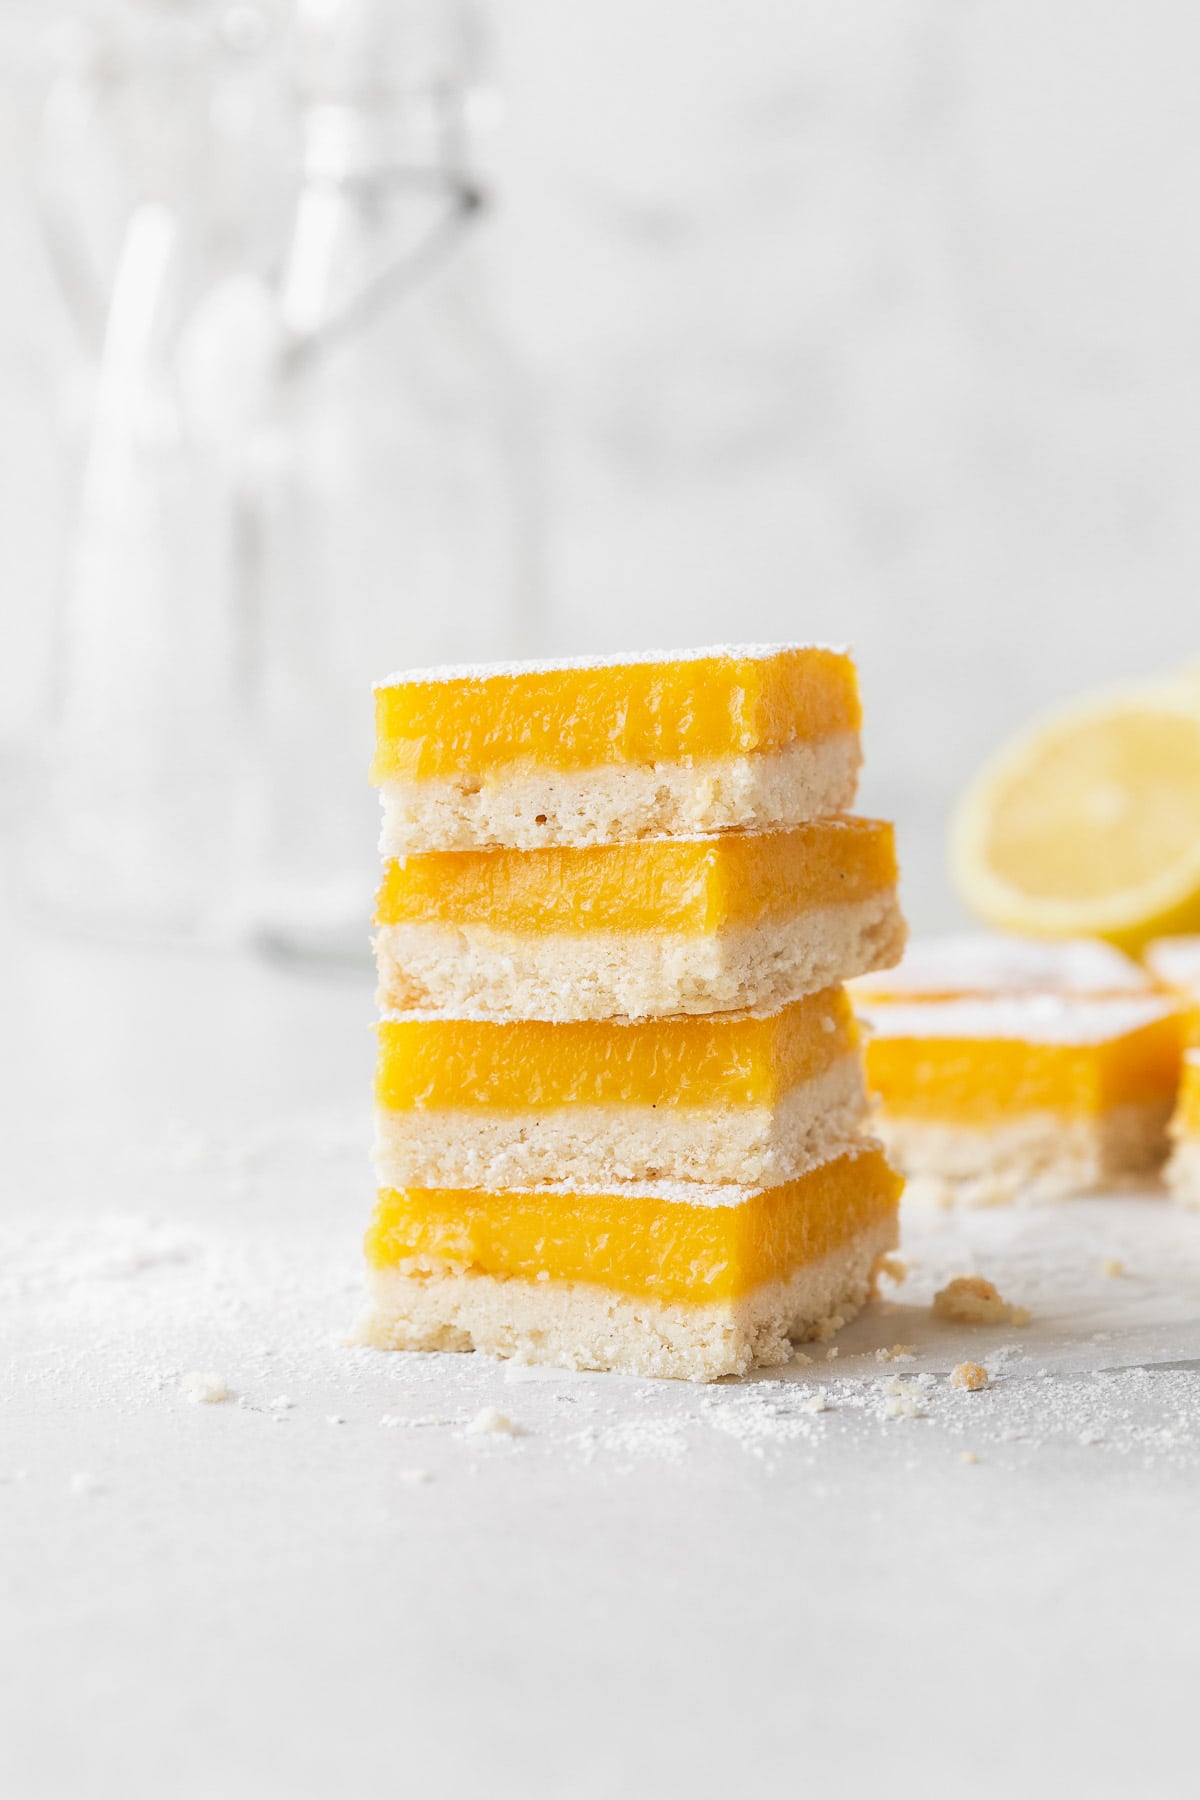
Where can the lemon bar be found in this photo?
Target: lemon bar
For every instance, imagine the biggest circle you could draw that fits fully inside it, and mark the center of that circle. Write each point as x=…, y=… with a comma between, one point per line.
x=745, y=1097
x=665, y=925
x=979, y=963
x=601, y=750
x=1183, y=1170
x=1052, y=1095
x=682, y=1280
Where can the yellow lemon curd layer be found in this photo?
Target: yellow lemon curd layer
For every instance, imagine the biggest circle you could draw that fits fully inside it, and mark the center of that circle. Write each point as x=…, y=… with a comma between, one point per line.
x=728, y=1058
x=697, y=884
x=1187, y=1117
x=645, y=1242
x=586, y=715
x=977, y=1080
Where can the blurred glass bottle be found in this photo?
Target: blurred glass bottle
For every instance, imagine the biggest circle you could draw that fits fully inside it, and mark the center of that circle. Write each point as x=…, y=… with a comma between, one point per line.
x=390, y=486
x=155, y=183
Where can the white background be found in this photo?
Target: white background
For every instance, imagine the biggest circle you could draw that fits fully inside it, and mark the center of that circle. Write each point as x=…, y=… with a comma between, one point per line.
x=855, y=320
x=868, y=322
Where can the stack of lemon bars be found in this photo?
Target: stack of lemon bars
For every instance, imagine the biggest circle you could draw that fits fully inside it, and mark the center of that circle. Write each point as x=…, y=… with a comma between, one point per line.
x=620, y=1097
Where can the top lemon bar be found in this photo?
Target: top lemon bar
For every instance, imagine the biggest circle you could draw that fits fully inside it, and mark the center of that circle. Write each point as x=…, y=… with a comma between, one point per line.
x=605, y=750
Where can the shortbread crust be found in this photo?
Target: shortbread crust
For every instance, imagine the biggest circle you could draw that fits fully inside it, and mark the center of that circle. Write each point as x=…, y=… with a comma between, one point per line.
x=599, y=975
x=1033, y=1157
x=524, y=807
x=749, y=1145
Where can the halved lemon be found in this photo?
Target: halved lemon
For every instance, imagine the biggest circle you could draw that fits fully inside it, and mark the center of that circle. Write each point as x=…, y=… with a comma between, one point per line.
x=1089, y=822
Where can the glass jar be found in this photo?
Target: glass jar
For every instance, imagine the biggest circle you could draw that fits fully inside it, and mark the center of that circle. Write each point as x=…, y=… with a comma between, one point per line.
x=389, y=484
x=154, y=186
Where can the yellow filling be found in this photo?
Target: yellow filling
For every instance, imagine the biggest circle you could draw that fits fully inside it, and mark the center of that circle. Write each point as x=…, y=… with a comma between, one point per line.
x=727, y=1058
x=972, y=1081
x=666, y=884
x=1187, y=1117
x=637, y=1244
x=585, y=718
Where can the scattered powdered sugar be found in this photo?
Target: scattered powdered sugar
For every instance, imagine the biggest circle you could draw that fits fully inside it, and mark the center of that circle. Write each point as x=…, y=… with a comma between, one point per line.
x=634, y=1440
x=128, y=1315
x=60, y=1258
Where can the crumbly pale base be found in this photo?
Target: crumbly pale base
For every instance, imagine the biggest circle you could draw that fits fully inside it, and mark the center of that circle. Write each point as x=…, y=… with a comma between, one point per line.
x=1037, y=1157
x=1183, y=1171
x=753, y=1146
x=527, y=807
x=574, y=1325
x=635, y=975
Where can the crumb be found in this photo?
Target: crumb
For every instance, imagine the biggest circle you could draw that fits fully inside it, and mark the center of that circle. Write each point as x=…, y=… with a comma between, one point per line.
x=894, y=1267
x=1112, y=1266
x=334, y=1419
x=817, y=1402
x=282, y=1404
x=205, y=1389
x=904, y=1406
x=968, y=1456
x=798, y=1356
x=969, y=1375
x=831, y=1355
x=896, y=1353
x=489, y=1420
x=904, y=1401
x=971, y=1300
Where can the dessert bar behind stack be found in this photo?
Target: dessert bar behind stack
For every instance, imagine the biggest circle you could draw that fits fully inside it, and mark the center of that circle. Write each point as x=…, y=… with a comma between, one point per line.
x=1183, y=1169
x=619, y=1092
x=1051, y=1072
x=1174, y=963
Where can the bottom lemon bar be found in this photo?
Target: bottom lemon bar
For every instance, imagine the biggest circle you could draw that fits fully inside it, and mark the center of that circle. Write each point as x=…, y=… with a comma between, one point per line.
x=750, y=1097
x=664, y=1279
x=1047, y=1094
x=1183, y=1170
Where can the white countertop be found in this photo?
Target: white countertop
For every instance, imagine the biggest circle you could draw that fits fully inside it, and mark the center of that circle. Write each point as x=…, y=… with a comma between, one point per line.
x=658, y=1590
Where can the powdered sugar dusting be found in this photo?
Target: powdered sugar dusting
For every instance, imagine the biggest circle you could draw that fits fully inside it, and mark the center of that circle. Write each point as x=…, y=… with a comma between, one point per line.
x=990, y=963
x=1040, y=1018
x=498, y=671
